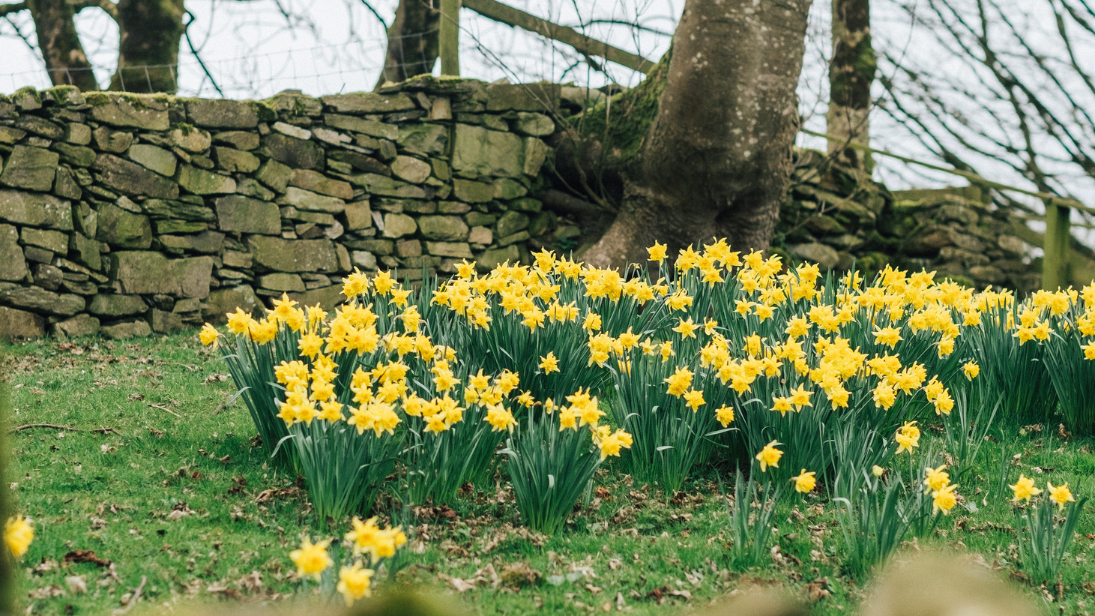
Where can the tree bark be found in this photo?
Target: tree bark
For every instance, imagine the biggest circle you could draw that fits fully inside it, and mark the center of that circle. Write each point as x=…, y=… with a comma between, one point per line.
x=412, y=40
x=148, y=54
x=61, y=49
x=716, y=161
x=851, y=74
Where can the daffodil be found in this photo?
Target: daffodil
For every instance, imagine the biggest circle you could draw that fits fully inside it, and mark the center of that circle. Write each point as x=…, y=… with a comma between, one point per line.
x=769, y=456
x=18, y=535
x=804, y=481
x=1024, y=489
x=354, y=583
x=311, y=559
x=1060, y=495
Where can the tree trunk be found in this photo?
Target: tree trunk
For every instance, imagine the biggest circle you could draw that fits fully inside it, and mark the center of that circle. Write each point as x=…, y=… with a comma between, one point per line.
x=850, y=76
x=60, y=44
x=148, y=54
x=716, y=161
x=412, y=40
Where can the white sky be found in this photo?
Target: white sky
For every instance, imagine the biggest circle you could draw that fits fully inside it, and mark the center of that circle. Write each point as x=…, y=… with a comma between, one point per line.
x=257, y=48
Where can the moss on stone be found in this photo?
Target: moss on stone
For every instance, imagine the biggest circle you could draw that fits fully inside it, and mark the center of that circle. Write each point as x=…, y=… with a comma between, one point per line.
x=266, y=110
x=621, y=122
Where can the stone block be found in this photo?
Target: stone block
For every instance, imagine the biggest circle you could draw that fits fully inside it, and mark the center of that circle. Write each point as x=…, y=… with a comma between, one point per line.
x=296, y=153
x=65, y=185
x=41, y=300
x=13, y=265
x=233, y=160
x=35, y=254
x=358, y=215
x=536, y=154
x=362, y=259
x=238, y=139
x=132, y=179
x=408, y=248
x=411, y=169
x=77, y=327
x=30, y=168
x=123, y=229
x=249, y=187
x=240, y=214
x=179, y=210
x=116, y=305
x=481, y=235
x=149, y=273
x=821, y=254
x=53, y=241
x=281, y=282
x=234, y=258
x=310, y=201
x=510, y=223
x=202, y=182
x=362, y=125
x=318, y=183
x=123, y=331
x=292, y=131
x=222, y=301
x=166, y=322
x=444, y=228
x=21, y=324
x=222, y=113
x=481, y=152
x=191, y=139
x=457, y=250
x=48, y=277
x=75, y=155
x=368, y=103
x=533, y=124
x=147, y=114
x=378, y=247
x=508, y=190
x=384, y=186
x=472, y=192
x=115, y=141
x=85, y=250
x=155, y=158
x=491, y=259
x=398, y=225
x=281, y=255
x=274, y=174
x=1012, y=244
x=10, y=136
x=453, y=207
x=523, y=97
x=428, y=139
x=206, y=242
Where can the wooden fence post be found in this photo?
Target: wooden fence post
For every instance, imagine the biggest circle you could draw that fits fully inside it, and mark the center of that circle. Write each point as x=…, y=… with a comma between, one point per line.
x=449, y=36
x=1056, y=249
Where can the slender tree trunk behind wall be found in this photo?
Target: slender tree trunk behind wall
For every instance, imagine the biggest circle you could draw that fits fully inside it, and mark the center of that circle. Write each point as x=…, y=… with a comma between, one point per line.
x=716, y=161
x=60, y=45
x=412, y=40
x=850, y=77
x=148, y=56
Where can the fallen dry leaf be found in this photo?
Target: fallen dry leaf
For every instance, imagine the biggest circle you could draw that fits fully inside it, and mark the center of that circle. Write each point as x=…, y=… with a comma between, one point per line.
x=85, y=556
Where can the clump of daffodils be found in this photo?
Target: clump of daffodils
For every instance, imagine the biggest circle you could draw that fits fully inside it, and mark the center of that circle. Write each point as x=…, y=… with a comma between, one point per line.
x=355, y=581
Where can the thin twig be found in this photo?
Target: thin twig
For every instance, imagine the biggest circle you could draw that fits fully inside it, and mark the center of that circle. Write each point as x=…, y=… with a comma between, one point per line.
x=42, y=425
x=133, y=599
x=164, y=408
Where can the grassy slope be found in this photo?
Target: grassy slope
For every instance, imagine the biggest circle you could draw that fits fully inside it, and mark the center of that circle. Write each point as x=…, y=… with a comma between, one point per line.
x=114, y=493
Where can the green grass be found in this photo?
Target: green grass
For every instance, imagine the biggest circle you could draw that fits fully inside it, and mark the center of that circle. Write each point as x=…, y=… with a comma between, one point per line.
x=151, y=435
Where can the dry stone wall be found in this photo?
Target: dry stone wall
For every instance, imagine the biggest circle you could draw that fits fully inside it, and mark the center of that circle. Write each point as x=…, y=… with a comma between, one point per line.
x=124, y=215
x=841, y=219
